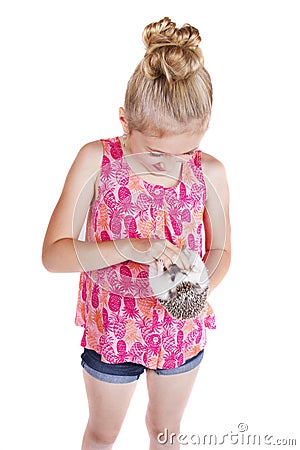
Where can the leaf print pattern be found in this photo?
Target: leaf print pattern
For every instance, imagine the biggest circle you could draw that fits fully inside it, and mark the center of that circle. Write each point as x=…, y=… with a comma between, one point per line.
x=146, y=227
x=131, y=335
x=134, y=184
x=95, y=296
x=102, y=218
x=97, y=318
x=121, y=319
x=177, y=226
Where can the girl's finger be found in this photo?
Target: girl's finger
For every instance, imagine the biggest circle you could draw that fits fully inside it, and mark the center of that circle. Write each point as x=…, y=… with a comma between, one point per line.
x=183, y=261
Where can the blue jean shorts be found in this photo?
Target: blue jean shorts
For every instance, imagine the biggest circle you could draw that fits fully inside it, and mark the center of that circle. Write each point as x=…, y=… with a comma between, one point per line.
x=128, y=372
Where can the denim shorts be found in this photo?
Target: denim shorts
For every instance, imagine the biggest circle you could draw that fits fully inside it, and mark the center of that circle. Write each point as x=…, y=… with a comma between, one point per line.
x=128, y=372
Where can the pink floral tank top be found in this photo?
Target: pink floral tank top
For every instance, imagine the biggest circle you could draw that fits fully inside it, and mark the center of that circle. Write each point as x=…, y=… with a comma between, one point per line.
x=122, y=321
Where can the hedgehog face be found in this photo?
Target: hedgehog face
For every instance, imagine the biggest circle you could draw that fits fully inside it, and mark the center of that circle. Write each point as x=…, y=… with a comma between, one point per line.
x=162, y=281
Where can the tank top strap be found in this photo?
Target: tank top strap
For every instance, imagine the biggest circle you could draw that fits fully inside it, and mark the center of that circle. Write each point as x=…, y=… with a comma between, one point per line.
x=112, y=149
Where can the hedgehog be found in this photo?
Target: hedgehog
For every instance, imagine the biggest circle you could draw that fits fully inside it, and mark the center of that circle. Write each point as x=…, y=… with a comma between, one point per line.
x=182, y=293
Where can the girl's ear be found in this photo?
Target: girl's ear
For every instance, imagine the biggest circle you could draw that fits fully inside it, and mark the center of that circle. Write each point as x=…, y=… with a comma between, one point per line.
x=123, y=120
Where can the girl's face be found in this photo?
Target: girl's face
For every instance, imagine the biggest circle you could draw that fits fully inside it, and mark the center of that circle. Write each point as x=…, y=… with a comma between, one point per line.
x=160, y=155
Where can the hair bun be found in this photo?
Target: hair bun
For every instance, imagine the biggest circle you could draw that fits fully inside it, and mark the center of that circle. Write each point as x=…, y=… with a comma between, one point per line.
x=171, y=52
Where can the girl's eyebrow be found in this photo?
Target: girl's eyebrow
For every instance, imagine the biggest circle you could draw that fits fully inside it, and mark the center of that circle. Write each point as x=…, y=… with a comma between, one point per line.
x=191, y=151
x=159, y=151
x=153, y=150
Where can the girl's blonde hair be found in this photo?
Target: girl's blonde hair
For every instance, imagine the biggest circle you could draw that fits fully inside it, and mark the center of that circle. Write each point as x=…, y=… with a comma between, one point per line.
x=170, y=91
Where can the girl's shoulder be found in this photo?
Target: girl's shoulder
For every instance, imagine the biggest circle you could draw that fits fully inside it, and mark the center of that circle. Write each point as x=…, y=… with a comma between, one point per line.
x=91, y=152
x=215, y=177
x=86, y=165
x=212, y=167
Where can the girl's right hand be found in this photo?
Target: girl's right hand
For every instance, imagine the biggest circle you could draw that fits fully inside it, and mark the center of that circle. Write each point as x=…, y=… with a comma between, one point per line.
x=149, y=251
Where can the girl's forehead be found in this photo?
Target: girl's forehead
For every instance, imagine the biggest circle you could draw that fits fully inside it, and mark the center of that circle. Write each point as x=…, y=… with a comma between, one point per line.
x=171, y=143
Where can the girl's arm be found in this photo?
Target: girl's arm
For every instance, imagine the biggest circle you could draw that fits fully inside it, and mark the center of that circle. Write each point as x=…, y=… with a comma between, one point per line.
x=216, y=221
x=64, y=252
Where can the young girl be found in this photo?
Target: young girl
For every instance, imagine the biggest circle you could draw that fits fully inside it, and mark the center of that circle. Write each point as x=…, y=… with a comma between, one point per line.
x=147, y=193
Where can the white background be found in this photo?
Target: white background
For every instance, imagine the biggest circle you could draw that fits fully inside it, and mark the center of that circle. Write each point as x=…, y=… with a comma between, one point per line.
x=65, y=65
